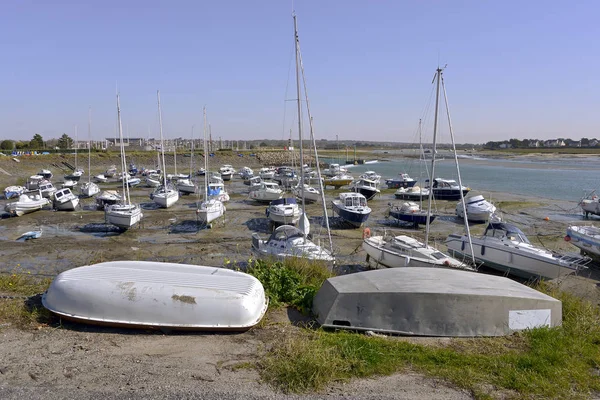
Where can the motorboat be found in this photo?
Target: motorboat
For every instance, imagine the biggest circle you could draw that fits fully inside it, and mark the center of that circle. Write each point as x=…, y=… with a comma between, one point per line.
x=101, y=178
x=586, y=238
x=402, y=181
x=186, y=186
x=149, y=294
x=153, y=180
x=133, y=181
x=14, y=191
x=47, y=189
x=266, y=192
x=69, y=184
x=106, y=198
x=111, y=171
x=65, y=200
x=286, y=177
x=246, y=173
x=352, y=208
x=33, y=183
x=338, y=181
x=505, y=247
x=590, y=204
x=367, y=187
x=410, y=212
x=288, y=241
x=311, y=195
x=478, y=209
x=89, y=189
x=123, y=216
x=372, y=176
x=227, y=172
x=284, y=211
x=46, y=173
x=26, y=204
x=433, y=302
x=266, y=173
x=334, y=169
x=201, y=171
x=75, y=175
x=448, y=189
x=132, y=169
x=177, y=177
x=389, y=251
x=165, y=196
x=414, y=193
x=253, y=181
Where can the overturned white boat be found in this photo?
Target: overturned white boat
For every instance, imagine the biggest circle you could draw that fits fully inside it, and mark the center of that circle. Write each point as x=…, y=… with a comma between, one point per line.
x=158, y=295
x=433, y=302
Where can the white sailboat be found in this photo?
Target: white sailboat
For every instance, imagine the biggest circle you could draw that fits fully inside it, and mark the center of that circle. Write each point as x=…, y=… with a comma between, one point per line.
x=166, y=195
x=211, y=208
x=89, y=188
x=186, y=185
x=287, y=240
x=405, y=251
x=124, y=214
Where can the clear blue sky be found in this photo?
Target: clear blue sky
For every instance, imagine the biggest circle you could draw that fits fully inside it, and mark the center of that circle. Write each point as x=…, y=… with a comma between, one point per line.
x=523, y=69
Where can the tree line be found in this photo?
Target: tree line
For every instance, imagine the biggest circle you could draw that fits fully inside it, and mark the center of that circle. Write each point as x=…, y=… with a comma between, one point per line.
x=38, y=143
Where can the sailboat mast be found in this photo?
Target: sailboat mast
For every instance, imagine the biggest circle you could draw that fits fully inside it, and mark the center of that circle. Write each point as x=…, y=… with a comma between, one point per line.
x=162, y=143
x=462, y=197
x=192, y=154
x=420, y=171
x=76, y=145
x=205, y=158
x=301, y=163
x=89, y=144
x=438, y=73
x=124, y=174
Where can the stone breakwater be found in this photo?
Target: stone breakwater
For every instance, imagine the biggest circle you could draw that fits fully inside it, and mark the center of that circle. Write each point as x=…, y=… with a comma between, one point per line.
x=283, y=158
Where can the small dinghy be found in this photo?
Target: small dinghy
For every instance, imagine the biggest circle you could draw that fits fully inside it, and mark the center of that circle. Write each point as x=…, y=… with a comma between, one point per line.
x=30, y=235
x=142, y=294
x=433, y=302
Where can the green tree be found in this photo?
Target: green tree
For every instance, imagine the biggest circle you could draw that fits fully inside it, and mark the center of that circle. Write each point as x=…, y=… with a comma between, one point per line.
x=37, y=142
x=65, y=142
x=7, y=145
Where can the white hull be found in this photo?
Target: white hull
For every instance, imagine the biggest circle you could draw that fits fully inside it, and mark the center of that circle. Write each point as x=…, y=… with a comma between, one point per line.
x=166, y=200
x=186, y=186
x=311, y=195
x=158, y=295
x=22, y=207
x=291, y=219
x=101, y=178
x=123, y=216
x=89, y=189
x=280, y=246
x=586, y=238
x=210, y=211
x=262, y=196
x=65, y=200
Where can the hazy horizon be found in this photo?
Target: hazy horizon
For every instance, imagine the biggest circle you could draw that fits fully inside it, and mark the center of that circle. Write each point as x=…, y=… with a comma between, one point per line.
x=515, y=69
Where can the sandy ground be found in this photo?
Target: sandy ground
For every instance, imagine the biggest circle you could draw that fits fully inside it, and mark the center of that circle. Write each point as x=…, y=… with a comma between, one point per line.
x=84, y=362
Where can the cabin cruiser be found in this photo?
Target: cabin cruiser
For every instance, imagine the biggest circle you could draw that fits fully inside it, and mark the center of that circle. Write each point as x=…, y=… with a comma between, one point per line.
x=403, y=181
x=447, y=189
x=153, y=180
x=47, y=189
x=101, y=178
x=266, y=192
x=372, y=176
x=65, y=200
x=352, y=207
x=253, y=181
x=46, y=173
x=414, y=193
x=478, y=209
x=107, y=198
x=366, y=187
x=586, y=238
x=132, y=181
x=246, y=173
x=201, y=172
x=410, y=212
x=26, y=204
x=590, y=204
x=505, y=247
x=33, y=183
x=14, y=191
x=288, y=241
x=311, y=195
x=404, y=251
x=165, y=196
x=266, y=173
x=89, y=189
x=334, y=169
x=338, y=181
x=284, y=211
x=227, y=172
x=286, y=177
x=75, y=175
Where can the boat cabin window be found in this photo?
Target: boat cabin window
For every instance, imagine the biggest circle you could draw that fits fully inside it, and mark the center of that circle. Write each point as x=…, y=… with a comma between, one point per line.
x=438, y=255
x=348, y=202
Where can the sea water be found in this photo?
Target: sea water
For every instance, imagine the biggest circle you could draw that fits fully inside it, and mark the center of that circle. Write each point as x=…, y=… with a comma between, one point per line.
x=566, y=178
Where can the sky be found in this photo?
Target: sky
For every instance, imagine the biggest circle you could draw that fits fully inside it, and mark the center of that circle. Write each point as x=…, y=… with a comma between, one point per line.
x=514, y=69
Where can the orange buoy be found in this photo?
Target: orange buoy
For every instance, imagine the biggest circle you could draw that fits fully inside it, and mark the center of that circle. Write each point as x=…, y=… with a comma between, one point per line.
x=366, y=233
x=547, y=219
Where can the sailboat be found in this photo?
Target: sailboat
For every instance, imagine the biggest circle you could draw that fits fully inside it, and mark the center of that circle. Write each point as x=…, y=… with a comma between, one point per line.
x=287, y=240
x=123, y=214
x=403, y=250
x=89, y=188
x=77, y=172
x=165, y=195
x=211, y=208
x=186, y=185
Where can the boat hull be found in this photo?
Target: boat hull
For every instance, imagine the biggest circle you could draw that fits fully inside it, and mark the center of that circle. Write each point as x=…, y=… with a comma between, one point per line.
x=355, y=219
x=210, y=211
x=158, y=295
x=166, y=200
x=586, y=238
x=416, y=218
x=89, y=189
x=123, y=216
x=448, y=194
x=69, y=205
x=369, y=193
x=397, y=184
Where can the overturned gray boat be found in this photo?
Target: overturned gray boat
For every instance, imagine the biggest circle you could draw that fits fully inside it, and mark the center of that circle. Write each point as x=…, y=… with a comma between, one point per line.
x=433, y=302
x=158, y=295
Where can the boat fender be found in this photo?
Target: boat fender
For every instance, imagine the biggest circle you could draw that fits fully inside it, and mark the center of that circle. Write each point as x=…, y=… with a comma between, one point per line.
x=366, y=233
x=267, y=212
x=567, y=238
